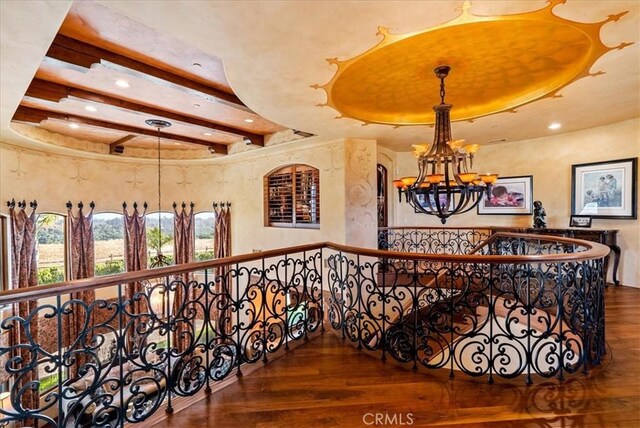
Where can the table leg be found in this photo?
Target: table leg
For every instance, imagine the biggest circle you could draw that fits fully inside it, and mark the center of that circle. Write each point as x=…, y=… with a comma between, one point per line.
x=616, y=262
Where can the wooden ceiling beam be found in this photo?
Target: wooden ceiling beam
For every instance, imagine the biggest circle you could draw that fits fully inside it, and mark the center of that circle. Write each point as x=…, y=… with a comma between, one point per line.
x=55, y=92
x=83, y=54
x=116, y=146
x=35, y=115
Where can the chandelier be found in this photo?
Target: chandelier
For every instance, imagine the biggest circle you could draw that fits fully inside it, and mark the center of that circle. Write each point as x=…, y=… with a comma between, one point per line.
x=161, y=259
x=446, y=184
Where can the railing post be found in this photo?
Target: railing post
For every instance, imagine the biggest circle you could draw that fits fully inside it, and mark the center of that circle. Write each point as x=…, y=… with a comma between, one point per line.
x=240, y=351
x=206, y=323
x=263, y=282
x=286, y=305
x=322, y=312
x=170, y=381
x=59, y=345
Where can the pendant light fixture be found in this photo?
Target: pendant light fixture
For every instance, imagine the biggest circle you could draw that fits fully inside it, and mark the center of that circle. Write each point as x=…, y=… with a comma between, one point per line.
x=161, y=259
x=446, y=184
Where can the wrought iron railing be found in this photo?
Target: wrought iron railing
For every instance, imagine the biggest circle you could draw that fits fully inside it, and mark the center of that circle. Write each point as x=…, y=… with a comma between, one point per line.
x=431, y=240
x=185, y=328
x=518, y=305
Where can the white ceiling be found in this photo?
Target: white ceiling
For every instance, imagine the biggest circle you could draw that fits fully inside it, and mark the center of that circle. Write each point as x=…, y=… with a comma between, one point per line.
x=274, y=50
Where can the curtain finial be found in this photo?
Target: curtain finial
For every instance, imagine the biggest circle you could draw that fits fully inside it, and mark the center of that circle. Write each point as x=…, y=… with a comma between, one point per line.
x=69, y=205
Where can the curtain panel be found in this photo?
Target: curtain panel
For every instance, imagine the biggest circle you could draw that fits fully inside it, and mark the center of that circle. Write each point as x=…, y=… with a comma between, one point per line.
x=183, y=246
x=222, y=248
x=135, y=244
x=24, y=273
x=79, y=310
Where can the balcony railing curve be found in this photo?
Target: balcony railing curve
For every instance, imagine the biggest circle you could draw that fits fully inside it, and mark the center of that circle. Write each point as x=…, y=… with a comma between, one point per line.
x=109, y=350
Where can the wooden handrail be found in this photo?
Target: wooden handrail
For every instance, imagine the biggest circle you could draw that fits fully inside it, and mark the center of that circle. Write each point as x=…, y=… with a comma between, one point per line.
x=593, y=251
x=487, y=228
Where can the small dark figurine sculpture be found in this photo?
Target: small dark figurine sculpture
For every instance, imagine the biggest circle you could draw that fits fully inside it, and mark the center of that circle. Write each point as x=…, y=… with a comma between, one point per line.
x=539, y=215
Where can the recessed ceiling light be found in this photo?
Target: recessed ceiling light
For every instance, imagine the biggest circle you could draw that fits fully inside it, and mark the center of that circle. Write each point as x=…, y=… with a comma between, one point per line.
x=249, y=120
x=197, y=64
x=555, y=125
x=196, y=105
x=90, y=108
x=74, y=126
x=208, y=134
x=122, y=83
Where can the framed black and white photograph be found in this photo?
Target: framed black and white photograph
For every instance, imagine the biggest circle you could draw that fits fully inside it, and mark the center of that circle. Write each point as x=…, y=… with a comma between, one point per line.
x=509, y=195
x=605, y=189
x=580, y=221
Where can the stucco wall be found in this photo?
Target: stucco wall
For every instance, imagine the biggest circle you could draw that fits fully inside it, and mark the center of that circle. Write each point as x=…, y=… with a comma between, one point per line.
x=53, y=179
x=549, y=160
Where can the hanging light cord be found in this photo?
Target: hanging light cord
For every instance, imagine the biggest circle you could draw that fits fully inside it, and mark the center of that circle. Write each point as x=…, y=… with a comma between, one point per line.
x=159, y=198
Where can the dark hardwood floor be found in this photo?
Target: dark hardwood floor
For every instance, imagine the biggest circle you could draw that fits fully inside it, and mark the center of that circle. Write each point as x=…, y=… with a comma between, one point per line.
x=326, y=383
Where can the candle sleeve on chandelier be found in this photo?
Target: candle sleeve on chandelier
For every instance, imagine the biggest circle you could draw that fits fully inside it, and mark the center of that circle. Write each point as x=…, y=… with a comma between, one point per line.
x=467, y=177
x=489, y=178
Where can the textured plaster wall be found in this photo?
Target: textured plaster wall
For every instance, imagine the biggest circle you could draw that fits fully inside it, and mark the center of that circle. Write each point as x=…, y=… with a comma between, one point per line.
x=347, y=187
x=54, y=178
x=549, y=160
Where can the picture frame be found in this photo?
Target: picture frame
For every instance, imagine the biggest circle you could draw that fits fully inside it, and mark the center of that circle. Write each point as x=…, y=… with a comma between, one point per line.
x=580, y=221
x=605, y=189
x=421, y=199
x=509, y=196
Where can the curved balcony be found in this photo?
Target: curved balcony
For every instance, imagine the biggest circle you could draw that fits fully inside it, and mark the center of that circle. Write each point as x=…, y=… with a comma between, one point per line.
x=512, y=305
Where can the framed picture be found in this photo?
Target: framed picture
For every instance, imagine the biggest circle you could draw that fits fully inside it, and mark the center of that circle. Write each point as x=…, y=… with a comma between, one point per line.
x=580, y=221
x=509, y=195
x=605, y=189
x=421, y=198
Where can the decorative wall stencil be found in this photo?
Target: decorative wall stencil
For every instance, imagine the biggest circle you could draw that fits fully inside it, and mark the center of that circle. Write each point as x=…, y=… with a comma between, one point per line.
x=18, y=171
x=77, y=175
x=391, y=82
x=135, y=179
x=336, y=161
x=183, y=180
x=360, y=193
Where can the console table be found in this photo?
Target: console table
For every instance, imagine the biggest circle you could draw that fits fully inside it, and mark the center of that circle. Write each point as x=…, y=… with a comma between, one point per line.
x=605, y=237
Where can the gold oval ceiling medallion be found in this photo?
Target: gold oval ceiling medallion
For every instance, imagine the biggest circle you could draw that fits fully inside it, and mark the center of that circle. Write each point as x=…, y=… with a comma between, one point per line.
x=499, y=62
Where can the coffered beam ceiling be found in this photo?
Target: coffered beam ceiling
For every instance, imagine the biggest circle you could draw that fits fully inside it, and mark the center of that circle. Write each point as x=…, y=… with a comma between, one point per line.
x=35, y=115
x=85, y=55
x=55, y=92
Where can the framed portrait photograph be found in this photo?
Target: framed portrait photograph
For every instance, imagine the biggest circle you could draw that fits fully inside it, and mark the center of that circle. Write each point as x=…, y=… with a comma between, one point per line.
x=605, y=189
x=580, y=221
x=509, y=195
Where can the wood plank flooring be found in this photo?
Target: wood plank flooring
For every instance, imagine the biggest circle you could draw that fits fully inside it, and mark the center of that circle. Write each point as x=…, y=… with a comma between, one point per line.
x=328, y=383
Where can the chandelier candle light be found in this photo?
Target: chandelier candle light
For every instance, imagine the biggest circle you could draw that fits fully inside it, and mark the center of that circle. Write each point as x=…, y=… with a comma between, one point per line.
x=446, y=184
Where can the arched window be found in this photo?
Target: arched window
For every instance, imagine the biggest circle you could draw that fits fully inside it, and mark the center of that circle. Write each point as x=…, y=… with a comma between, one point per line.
x=292, y=197
x=108, y=235
x=51, y=248
x=160, y=238
x=204, y=229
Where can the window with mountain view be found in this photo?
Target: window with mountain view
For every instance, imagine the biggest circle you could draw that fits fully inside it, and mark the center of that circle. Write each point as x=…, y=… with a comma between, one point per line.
x=160, y=237
x=51, y=253
x=204, y=228
x=108, y=234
